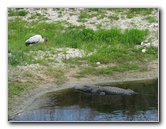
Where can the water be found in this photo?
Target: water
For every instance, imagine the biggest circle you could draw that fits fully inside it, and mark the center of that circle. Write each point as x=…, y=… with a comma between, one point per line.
x=70, y=105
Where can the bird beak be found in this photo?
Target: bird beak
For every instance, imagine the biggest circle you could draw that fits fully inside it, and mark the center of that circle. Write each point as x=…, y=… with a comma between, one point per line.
x=46, y=43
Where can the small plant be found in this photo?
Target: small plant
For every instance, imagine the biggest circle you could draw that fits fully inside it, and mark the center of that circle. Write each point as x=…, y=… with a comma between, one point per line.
x=150, y=19
x=101, y=16
x=130, y=15
x=98, y=26
x=22, y=13
x=82, y=20
x=83, y=14
x=93, y=15
x=65, y=54
x=115, y=17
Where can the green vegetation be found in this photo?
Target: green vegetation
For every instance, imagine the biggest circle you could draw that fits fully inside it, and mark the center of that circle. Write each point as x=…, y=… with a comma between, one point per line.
x=83, y=14
x=120, y=43
x=115, y=17
x=17, y=12
x=38, y=16
x=150, y=19
x=108, y=70
x=132, y=12
x=144, y=11
x=100, y=12
x=16, y=88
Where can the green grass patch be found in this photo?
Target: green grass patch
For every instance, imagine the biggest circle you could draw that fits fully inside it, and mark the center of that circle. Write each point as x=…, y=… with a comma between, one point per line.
x=17, y=12
x=38, y=16
x=114, y=16
x=82, y=20
x=132, y=12
x=107, y=70
x=83, y=14
x=151, y=19
x=57, y=74
x=112, y=44
x=95, y=9
x=144, y=11
x=16, y=88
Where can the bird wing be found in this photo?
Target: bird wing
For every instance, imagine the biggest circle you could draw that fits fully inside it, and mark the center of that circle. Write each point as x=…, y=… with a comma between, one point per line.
x=34, y=39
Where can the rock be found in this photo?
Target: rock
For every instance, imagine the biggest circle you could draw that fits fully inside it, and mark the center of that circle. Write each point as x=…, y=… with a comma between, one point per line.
x=154, y=45
x=145, y=44
x=104, y=90
x=98, y=63
x=143, y=50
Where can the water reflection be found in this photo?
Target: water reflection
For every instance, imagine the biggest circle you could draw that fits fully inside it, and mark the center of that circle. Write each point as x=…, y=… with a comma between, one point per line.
x=69, y=105
x=75, y=113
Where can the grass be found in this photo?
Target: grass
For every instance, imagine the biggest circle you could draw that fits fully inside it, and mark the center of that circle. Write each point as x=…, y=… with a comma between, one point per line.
x=82, y=20
x=83, y=14
x=132, y=12
x=16, y=88
x=151, y=19
x=17, y=12
x=143, y=11
x=114, y=16
x=108, y=70
x=75, y=37
x=39, y=17
x=57, y=74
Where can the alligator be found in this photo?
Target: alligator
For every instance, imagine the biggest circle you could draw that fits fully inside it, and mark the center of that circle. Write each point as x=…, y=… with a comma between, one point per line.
x=100, y=90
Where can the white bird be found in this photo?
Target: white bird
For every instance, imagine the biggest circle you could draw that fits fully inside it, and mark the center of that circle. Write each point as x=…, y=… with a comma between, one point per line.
x=35, y=40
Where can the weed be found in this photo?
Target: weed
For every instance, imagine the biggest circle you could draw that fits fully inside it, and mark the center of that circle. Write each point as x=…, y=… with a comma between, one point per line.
x=114, y=16
x=83, y=14
x=101, y=16
x=82, y=20
x=130, y=15
x=65, y=53
x=150, y=19
x=98, y=26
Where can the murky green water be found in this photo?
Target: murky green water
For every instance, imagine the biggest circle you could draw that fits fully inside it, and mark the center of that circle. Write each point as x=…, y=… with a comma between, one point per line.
x=70, y=105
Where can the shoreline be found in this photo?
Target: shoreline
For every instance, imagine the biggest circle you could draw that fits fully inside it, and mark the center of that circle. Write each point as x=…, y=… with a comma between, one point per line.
x=27, y=98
